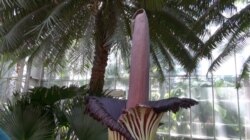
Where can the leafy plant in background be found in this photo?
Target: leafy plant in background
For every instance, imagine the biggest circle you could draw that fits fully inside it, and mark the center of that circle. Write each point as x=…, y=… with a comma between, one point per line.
x=23, y=121
x=81, y=124
x=46, y=113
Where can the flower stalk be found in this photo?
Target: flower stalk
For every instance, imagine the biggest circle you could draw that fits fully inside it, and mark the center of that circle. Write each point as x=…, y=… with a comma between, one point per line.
x=139, y=70
x=137, y=118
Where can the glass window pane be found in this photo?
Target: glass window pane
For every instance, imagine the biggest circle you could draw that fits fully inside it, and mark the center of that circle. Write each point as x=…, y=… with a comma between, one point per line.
x=202, y=114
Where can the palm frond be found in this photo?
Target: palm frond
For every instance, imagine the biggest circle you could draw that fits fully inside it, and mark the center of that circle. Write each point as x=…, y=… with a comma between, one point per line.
x=168, y=58
x=83, y=125
x=81, y=56
x=159, y=68
x=181, y=14
x=27, y=4
x=50, y=29
x=26, y=123
x=48, y=96
x=176, y=37
x=162, y=58
x=199, y=7
x=21, y=3
x=166, y=23
x=6, y=3
x=122, y=35
x=211, y=14
x=245, y=70
x=237, y=21
x=13, y=38
x=151, y=4
x=179, y=51
x=54, y=18
x=235, y=43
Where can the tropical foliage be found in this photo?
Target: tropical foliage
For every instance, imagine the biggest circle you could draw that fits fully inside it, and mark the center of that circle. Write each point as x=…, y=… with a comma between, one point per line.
x=47, y=113
x=86, y=31
x=233, y=32
x=27, y=122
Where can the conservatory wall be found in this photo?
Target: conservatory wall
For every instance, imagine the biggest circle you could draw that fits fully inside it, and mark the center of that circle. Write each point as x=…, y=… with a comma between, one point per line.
x=222, y=113
x=223, y=110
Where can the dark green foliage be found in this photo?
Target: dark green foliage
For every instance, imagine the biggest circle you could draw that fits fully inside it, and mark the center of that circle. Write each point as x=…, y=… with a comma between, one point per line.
x=26, y=122
x=49, y=96
x=43, y=113
x=82, y=124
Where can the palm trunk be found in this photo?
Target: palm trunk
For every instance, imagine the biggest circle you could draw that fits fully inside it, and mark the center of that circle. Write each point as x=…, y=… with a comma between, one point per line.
x=98, y=70
x=101, y=57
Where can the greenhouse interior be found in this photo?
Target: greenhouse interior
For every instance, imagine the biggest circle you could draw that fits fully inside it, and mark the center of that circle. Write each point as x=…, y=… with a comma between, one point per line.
x=63, y=62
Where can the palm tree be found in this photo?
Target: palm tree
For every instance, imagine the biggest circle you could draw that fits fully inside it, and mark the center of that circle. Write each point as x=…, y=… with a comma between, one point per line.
x=48, y=29
x=53, y=30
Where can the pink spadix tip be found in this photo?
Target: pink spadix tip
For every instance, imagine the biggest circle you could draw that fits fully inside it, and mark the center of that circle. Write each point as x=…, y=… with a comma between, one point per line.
x=139, y=70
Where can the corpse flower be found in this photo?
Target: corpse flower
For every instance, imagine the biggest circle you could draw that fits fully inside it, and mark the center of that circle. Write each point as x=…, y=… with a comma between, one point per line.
x=136, y=118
